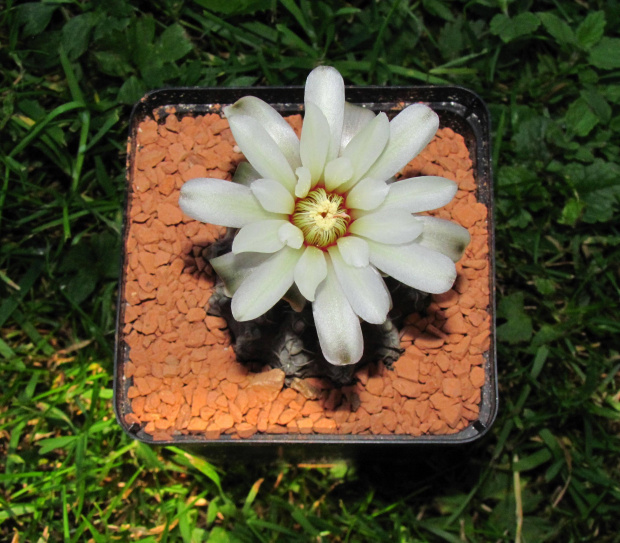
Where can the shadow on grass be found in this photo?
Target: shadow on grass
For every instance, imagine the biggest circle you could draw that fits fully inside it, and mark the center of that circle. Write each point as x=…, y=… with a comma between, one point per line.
x=396, y=472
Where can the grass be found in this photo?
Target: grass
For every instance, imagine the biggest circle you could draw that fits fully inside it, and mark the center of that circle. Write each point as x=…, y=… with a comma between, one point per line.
x=548, y=470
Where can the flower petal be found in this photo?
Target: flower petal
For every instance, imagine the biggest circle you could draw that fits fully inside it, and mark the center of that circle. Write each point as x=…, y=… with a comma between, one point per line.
x=304, y=182
x=295, y=298
x=273, y=196
x=448, y=238
x=259, y=237
x=367, y=146
x=337, y=172
x=420, y=194
x=291, y=235
x=261, y=151
x=410, y=131
x=314, y=141
x=280, y=131
x=221, y=202
x=355, y=118
x=233, y=269
x=416, y=266
x=325, y=88
x=367, y=194
x=364, y=289
x=393, y=227
x=245, y=174
x=338, y=327
x=265, y=286
x=310, y=270
x=353, y=250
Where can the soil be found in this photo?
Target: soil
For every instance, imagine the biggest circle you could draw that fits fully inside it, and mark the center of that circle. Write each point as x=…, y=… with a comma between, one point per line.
x=180, y=375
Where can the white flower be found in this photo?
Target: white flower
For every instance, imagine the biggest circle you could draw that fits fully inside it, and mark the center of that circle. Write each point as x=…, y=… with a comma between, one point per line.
x=321, y=216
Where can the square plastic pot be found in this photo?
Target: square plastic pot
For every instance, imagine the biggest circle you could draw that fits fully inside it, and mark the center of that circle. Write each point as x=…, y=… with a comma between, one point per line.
x=458, y=109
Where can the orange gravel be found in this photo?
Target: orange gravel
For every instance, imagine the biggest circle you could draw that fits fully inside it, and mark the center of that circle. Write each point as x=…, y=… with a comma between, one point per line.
x=180, y=374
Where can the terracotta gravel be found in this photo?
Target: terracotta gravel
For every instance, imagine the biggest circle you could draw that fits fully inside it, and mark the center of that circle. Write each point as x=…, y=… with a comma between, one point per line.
x=180, y=372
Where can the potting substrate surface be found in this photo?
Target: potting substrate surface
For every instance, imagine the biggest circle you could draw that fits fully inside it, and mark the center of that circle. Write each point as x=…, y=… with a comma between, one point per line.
x=179, y=371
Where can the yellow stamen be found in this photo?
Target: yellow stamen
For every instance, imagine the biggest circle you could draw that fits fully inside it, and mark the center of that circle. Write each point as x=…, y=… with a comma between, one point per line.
x=321, y=217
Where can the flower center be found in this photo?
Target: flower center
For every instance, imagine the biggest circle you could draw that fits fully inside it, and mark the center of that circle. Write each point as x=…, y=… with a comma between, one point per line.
x=321, y=217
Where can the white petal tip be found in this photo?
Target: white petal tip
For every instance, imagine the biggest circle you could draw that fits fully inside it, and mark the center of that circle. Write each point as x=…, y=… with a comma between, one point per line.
x=338, y=172
x=304, y=182
x=291, y=235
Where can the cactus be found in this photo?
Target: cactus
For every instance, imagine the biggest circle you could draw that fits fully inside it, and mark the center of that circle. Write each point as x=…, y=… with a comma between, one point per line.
x=286, y=339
